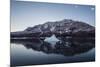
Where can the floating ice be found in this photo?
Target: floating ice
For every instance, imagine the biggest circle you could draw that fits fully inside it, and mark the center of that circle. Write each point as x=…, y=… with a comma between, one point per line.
x=52, y=40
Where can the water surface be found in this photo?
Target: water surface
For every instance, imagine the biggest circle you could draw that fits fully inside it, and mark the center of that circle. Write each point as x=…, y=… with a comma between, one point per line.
x=33, y=52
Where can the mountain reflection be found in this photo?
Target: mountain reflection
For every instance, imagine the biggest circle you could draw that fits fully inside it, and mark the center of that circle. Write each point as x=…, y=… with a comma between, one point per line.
x=66, y=47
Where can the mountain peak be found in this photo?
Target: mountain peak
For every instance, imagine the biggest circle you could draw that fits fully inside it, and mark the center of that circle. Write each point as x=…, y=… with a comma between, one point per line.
x=64, y=27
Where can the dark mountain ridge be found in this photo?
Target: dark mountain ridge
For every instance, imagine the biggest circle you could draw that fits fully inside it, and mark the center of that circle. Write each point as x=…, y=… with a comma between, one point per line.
x=64, y=28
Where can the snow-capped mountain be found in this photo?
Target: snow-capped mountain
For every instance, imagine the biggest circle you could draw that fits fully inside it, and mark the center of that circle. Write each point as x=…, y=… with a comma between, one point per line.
x=64, y=27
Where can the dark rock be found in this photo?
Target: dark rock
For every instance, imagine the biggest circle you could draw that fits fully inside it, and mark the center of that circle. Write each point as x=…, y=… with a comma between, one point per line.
x=64, y=28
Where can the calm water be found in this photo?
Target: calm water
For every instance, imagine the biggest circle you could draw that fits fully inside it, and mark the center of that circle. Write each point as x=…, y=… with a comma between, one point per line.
x=33, y=52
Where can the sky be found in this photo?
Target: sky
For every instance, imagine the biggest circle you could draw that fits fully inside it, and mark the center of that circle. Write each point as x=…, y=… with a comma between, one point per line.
x=29, y=14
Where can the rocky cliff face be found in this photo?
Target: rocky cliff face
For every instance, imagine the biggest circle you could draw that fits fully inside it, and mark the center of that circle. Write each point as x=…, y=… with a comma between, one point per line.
x=64, y=27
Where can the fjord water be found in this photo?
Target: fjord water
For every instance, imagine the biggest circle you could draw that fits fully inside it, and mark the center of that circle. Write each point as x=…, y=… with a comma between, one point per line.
x=36, y=52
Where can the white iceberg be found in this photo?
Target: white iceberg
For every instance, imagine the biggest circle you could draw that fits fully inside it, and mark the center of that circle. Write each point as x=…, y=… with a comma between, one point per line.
x=52, y=40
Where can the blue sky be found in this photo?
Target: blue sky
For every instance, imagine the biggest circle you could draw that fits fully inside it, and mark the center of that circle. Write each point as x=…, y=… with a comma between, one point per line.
x=28, y=14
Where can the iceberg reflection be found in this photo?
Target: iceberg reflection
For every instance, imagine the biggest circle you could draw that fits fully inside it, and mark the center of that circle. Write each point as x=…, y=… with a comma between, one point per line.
x=66, y=47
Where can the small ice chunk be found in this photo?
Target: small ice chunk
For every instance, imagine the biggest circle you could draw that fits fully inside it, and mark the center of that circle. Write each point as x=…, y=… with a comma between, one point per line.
x=52, y=38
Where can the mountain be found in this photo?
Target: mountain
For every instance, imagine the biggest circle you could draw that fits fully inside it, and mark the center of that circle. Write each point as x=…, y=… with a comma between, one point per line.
x=66, y=27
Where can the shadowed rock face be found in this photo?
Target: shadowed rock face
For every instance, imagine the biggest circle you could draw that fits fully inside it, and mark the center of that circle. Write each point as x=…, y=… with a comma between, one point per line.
x=64, y=27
